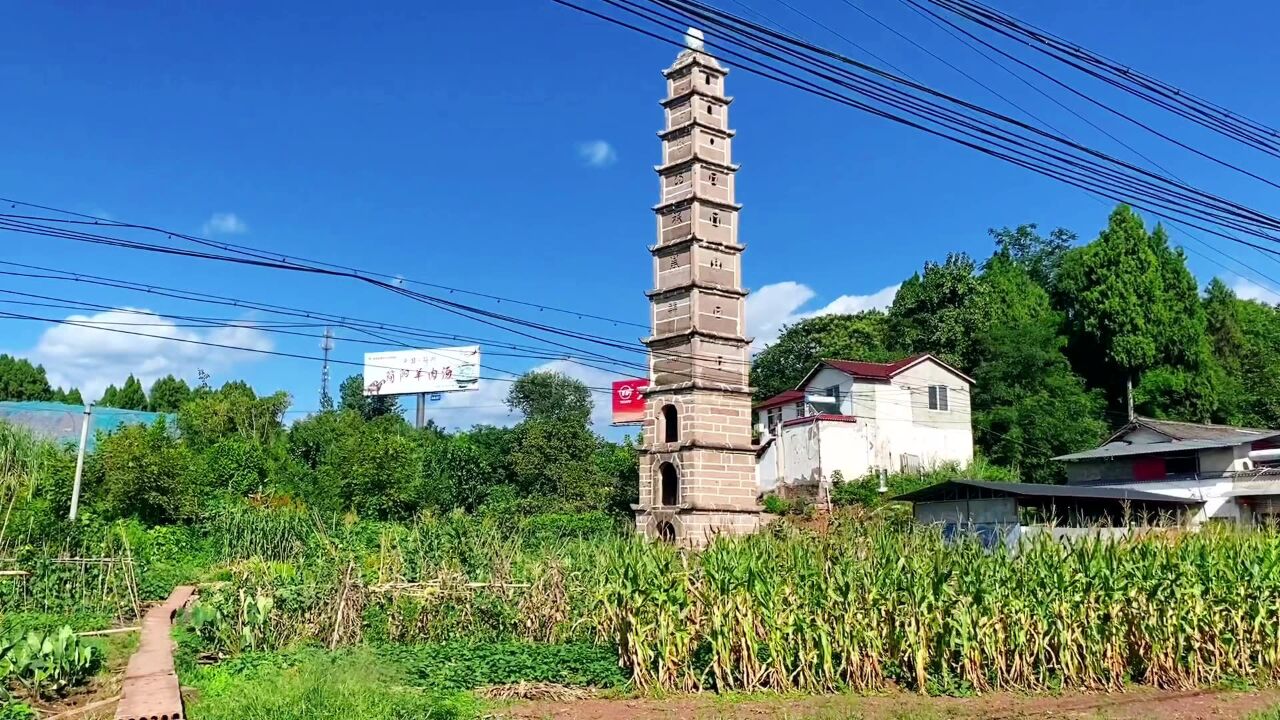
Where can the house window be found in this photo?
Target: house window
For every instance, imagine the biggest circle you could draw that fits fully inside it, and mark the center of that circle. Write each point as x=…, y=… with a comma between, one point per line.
x=715, y=219
x=938, y=398
x=713, y=141
x=800, y=412
x=710, y=110
x=706, y=78
x=713, y=178
x=1181, y=464
x=834, y=392
x=773, y=418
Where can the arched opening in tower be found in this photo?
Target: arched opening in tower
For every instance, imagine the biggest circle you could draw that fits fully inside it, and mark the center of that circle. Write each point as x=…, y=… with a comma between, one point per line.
x=670, y=484
x=670, y=424
x=666, y=532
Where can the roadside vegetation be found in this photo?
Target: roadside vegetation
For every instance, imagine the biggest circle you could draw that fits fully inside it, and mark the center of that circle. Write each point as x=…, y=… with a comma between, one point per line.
x=350, y=565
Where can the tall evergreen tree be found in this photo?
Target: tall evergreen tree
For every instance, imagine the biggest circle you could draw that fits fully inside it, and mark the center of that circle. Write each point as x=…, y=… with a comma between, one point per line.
x=20, y=380
x=1028, y=405
x=168, y=394
x=110, y=397
x=131, y=396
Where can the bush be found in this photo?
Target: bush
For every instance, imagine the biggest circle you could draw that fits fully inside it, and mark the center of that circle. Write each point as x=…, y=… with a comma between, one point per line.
x=466, y=666
x=866, y=490
x=49, y=664
x=776, y=505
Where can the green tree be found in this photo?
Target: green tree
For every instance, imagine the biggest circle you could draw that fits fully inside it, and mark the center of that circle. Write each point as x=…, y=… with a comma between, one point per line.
x=942, y=311
x=549, y=395
x=555, y=460
x=143, y=472
x=168, y=394
x=1028, y=405
x=234, y=409
x=784, y=363
x=72, y=397
x=351, y=397
x=1113, y=290
x=376, y=469
x=110, y=397
x=1038, y=255
x=1136, y=319
x=20, y=380
x=131, y=395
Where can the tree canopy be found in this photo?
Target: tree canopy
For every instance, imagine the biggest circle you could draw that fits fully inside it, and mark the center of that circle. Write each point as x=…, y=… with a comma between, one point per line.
x=1052, y=334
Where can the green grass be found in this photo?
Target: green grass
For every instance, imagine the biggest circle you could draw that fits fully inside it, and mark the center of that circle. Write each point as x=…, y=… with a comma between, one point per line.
x=312, y=684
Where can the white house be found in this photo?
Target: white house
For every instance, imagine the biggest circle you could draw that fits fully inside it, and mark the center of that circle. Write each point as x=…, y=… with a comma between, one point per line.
x=1234, y=471
x=859, y=417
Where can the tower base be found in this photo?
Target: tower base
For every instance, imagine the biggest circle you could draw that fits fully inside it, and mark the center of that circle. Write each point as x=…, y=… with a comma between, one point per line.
x=694, y=528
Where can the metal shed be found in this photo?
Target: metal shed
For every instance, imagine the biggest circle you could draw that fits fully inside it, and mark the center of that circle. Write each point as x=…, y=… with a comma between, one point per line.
x=974, y=502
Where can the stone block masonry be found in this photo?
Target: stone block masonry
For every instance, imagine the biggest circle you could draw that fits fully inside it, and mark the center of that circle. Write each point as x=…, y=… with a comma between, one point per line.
x=697, y=467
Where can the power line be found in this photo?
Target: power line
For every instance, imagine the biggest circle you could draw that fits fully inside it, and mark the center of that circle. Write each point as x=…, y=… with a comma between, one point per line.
x=265, y=254
x=1028, y=153
x=351, y=323
x=945, y=28
x=1193, y=108
x=1025, y=151
x=226, y=346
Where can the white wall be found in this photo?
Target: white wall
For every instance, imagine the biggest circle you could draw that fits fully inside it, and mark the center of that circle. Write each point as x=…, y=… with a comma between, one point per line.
x=893, y=420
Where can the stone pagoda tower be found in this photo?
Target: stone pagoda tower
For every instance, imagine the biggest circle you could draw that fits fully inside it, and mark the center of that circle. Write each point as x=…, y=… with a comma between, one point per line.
x=697, y=467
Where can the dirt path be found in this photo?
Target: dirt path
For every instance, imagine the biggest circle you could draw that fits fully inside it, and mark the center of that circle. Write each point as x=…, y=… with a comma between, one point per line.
x=1132, y=705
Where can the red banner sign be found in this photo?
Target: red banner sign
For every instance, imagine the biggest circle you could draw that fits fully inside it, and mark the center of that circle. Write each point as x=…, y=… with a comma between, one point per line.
x=628, y=401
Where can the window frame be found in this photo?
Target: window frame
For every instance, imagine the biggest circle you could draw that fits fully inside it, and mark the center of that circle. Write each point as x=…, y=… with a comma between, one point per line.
x=939, y=398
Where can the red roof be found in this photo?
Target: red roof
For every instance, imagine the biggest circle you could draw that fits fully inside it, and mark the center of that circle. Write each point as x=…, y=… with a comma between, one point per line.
x=882, y=371
x=872, y=370
x=782, y=398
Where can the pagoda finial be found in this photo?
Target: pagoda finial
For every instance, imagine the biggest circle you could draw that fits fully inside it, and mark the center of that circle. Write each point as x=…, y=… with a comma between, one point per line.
x=693, y=39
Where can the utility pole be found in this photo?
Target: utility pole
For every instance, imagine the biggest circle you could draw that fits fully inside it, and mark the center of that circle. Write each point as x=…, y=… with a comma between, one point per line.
x=1128, y=396
x=422, y=411
x=326, y=400
x=84, y=439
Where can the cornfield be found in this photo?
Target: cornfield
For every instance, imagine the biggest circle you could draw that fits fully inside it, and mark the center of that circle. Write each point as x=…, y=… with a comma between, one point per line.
x=864, y=607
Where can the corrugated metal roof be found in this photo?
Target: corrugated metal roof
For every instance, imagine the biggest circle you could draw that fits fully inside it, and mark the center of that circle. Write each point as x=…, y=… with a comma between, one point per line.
x=1200, y=431
x=951, y=488
x=61, y=423
x=1115, y=450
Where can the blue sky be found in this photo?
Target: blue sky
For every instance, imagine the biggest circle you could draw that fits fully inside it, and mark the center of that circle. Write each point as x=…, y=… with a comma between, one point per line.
x=508, y=147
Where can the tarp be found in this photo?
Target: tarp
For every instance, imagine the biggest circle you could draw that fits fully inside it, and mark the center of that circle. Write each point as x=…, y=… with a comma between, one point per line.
x=61, y=423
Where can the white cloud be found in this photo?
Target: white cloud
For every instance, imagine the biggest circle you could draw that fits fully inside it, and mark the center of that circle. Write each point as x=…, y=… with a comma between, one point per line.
x=597, y=153
x=224, y=224
x=774, y=306
x=487, y=405
x=90, y=358
x=1250, y=290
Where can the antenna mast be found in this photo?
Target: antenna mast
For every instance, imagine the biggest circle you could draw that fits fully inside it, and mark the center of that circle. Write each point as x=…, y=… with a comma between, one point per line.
x=326, y=400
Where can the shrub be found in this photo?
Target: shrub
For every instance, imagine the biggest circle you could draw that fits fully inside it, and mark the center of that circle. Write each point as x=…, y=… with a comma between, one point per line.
x=49, y=664
x=776, y=505
x=465, y=666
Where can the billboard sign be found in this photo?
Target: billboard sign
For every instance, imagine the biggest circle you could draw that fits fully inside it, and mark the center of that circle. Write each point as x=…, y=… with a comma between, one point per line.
x=408, y=372
x=628, y=401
